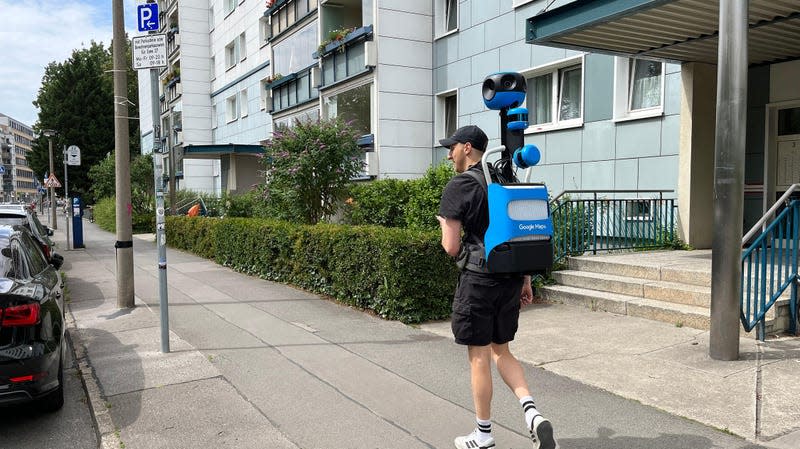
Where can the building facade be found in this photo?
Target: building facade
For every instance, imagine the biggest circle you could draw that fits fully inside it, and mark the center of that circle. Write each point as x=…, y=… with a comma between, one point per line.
x=407, y=73
x=18, y=180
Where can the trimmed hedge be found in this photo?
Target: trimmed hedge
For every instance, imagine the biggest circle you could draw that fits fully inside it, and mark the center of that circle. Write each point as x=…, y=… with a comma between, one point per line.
x=400, y=274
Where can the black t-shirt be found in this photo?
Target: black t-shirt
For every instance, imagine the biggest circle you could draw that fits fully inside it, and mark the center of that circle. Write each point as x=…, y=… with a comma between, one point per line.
x=465, y=199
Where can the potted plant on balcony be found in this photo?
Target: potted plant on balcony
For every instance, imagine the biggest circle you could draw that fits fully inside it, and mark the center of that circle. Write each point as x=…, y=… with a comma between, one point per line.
x=273, y=78
x=336, y=36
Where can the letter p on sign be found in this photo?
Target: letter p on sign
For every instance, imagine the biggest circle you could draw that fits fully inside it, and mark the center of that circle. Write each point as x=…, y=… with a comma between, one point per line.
x=148, y=17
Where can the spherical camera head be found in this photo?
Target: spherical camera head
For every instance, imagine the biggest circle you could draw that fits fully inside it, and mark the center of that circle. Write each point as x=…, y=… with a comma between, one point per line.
x=527, y=156
x=504, y=90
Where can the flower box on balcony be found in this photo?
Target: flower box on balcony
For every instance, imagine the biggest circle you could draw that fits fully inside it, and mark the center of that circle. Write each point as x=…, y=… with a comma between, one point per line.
x=329, y=46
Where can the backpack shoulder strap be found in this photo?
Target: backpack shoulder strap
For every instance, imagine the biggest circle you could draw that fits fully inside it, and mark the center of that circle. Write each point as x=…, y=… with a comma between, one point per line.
x=478, y=177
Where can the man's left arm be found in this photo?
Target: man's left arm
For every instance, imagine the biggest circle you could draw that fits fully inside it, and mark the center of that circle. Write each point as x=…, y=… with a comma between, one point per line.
x=451, y=235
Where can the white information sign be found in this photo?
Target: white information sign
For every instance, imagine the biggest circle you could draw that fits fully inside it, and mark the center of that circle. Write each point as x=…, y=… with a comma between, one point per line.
x=73, y=155
x=149, y=51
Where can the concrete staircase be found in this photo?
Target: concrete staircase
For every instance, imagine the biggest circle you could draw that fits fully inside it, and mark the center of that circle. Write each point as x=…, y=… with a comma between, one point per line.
x=668, y=286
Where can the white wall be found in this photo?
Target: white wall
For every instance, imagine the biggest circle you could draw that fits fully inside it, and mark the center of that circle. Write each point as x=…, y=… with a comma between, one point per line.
x=404, y=105
x=783, y=81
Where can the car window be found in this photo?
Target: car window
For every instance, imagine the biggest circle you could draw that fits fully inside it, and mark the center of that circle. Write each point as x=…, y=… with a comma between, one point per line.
x=19, y=268
x=35, y=219
x=12, y=220
x=6, y=265
x=33, y=253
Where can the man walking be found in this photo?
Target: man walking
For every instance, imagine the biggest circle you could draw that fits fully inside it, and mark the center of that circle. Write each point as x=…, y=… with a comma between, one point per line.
x=486, y=305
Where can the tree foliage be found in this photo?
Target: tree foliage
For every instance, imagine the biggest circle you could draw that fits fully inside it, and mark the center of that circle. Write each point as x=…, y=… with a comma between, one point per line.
x=76, y=99
x=308, y=168
x=102, y=176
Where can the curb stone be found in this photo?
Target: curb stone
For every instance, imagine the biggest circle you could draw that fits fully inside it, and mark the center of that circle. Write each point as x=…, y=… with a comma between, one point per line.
x=108, y=437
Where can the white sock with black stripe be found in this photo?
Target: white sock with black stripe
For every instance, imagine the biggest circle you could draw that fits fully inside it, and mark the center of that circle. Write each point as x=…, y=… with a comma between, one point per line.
x=484, y=430
x=530, y=409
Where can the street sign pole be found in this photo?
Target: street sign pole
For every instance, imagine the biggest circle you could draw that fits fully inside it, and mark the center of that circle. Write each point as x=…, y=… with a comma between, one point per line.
x=150, y=52
x=161, y=237
x=66, y=195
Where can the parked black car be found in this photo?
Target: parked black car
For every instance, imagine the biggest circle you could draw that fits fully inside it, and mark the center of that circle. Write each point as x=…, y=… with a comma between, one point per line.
x=24, y=215
x=31, y=323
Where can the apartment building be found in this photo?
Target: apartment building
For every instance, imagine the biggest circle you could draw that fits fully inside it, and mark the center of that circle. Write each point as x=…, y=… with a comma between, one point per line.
x=408, y=72
x=19, y=183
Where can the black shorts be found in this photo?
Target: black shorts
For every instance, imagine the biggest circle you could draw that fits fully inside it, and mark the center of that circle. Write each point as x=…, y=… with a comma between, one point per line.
x=486, y=309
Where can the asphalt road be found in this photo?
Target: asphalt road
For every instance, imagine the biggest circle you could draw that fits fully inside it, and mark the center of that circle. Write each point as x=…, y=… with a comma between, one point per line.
x=24, y=427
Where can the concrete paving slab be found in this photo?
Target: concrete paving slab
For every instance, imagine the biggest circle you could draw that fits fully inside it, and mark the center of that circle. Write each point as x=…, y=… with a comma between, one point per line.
x=200, y=414
x=328, y=418
x=131, y=360
x=777, y=415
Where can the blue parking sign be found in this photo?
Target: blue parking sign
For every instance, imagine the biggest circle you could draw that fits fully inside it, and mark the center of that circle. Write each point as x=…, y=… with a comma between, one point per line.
x=147, y=17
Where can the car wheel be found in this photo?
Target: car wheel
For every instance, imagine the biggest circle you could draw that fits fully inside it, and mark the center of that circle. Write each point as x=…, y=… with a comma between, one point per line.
x=54, y=400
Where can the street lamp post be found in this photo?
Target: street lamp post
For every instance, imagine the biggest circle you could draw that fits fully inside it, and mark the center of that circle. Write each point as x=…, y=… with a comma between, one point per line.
x=49, y=133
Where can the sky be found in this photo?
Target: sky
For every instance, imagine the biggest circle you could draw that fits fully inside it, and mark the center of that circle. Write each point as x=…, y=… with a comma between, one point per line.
x=38, y=32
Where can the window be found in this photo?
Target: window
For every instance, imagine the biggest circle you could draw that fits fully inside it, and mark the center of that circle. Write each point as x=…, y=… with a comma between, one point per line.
x=242, y=47
x=230, y=55
x=789, y=122
x=446, y=17
x=213, y=116
x=211, y=18
x=230, y=5
x=243, y=103
x=290, y=13
x=212, y=68
x=637, y=210
x=451, y=15
x=638, y=88
x=646, y=80
x=446, y=114
x=294, y=53
x=354, y=105
x=230, y=109
x=307, y=116
x=264, y=31
x=555, y=96
x=266, y=94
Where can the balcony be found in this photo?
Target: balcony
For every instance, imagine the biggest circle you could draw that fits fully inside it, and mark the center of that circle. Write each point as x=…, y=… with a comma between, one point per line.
x=293, y=90
x=173, y=42
x=347, y=57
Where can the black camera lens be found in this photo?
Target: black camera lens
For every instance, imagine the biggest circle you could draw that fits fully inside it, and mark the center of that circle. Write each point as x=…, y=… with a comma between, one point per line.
x=488, y=89
x=508, y=82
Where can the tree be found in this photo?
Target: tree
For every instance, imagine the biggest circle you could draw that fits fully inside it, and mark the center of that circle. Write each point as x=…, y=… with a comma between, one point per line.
x=102, y=176
x=308, y=168
x=76, y=99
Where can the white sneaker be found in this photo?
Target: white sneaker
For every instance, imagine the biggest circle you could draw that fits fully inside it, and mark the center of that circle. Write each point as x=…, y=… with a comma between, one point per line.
x=542, y=433
x=471, y=441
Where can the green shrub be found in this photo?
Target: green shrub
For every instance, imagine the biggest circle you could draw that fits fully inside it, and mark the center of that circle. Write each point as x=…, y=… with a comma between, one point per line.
x=424, y=197
x=105, y=215
x=194, y=234
x=377, y=203
x=308, y=168
x=400, y=274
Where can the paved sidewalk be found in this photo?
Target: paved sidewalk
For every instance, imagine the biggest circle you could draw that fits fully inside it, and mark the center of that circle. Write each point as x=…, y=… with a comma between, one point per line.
x=254, y=364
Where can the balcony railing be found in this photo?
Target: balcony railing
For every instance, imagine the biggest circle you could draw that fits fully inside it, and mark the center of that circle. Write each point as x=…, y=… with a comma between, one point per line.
x=173, y=42
x=345, y=58
x=293, y=90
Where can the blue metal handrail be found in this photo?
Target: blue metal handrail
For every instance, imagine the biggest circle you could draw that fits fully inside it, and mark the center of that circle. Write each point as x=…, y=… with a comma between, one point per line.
x=769, y=267
x=602, y=224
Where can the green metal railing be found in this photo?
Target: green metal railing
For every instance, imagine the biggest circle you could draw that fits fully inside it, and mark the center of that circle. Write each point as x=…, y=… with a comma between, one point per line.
x=769, y=268
x=588, y=225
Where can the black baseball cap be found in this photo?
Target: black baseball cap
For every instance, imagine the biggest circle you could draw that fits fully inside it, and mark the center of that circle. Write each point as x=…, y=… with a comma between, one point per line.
x=469, y=133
